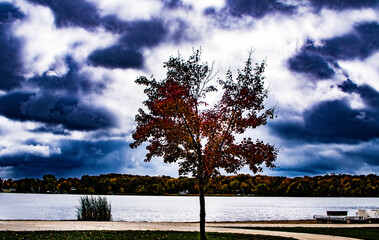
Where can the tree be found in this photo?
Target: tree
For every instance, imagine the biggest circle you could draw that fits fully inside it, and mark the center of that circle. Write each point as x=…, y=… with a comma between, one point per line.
x=179, y=126
x=50, y=183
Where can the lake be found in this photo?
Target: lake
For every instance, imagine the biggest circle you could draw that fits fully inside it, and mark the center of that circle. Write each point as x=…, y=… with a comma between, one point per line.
x=15, y=206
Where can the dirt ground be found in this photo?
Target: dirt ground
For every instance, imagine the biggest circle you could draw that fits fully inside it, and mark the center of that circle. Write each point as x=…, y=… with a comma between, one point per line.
x=225, y=227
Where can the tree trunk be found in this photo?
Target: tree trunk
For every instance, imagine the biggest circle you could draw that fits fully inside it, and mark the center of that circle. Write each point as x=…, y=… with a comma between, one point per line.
x=202, y=213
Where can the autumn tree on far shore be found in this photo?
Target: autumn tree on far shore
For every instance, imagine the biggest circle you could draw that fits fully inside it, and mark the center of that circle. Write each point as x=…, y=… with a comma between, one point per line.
x=179, y=126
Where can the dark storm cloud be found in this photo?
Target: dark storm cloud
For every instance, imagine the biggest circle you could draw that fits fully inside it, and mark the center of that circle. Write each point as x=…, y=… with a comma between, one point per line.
x=144, y=34
x=116, y=56
x=126, y=53
x=312, y=163
x=136, y=34
x=113, y=24
x=141, y=33
x=55, y=109
x=72, y=13
x=73, y=81
x=361, y=43
x=331, y=122
x=365, y=155
x=344, y=4
x=10, y=104
x=335, y=121
x=11, y=66
x=52, y=128
x=172, y=3
x=9, y=13
x=58, y=102
x=312, y=63
x=318, y=61
x=74, y=158
x=257, y=8
x=368, y=94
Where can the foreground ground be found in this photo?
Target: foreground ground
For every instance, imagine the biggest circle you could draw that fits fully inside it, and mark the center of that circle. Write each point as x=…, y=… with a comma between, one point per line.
x=360, y=233
x=232, y=227
x=129, y=235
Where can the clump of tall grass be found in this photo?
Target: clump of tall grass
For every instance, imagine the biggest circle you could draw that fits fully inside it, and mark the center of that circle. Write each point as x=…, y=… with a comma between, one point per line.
x=94, y=209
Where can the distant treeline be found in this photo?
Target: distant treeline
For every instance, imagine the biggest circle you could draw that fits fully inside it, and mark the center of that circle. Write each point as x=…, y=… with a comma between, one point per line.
x=318, y=186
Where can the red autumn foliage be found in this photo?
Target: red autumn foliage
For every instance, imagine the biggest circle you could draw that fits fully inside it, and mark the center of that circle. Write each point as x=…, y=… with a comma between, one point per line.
x=202, y=140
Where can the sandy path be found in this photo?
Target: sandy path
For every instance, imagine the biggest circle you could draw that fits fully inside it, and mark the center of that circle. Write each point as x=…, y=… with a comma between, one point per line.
x=211, y=227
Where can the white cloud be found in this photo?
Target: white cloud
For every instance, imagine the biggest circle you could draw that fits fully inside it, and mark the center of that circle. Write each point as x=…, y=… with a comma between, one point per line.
x=200, y=6
x=38, y=150
x=130, y=9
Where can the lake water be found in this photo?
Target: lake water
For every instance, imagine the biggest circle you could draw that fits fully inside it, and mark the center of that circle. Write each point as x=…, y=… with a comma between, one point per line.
x=14, y=206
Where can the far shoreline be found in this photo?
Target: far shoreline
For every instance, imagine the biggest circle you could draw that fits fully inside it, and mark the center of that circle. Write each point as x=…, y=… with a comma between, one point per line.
x=187, y=195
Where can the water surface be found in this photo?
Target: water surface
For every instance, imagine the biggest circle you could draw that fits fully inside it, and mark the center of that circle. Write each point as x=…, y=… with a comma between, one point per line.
x=15, y=206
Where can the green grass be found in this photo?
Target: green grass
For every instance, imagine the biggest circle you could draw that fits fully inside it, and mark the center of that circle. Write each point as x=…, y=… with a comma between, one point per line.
x=370, y=233
x=129, y=235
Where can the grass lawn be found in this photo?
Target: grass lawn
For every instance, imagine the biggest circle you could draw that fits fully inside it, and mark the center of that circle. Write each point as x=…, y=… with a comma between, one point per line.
x=370, y=233
x=145, y=235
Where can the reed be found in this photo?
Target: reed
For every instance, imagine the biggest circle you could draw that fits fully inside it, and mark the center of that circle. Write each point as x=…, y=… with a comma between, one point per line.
x=94, y=209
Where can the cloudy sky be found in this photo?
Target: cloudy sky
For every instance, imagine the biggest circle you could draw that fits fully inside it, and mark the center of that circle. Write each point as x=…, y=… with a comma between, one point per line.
x=67, y=70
